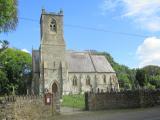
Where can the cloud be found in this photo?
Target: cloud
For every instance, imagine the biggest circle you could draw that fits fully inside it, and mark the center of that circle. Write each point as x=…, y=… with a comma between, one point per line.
x=108, y=5
x=25, y=50
x=149, y=52
x=145, y=13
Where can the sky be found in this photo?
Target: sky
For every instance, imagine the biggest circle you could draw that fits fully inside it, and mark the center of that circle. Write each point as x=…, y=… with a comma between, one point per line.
x=127, y=29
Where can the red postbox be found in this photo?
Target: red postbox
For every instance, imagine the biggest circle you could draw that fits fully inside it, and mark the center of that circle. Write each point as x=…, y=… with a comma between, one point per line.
x=48, y=98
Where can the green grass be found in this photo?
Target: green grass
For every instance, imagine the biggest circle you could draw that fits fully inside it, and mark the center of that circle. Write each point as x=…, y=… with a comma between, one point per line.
x=76, y=101
x=1, y=97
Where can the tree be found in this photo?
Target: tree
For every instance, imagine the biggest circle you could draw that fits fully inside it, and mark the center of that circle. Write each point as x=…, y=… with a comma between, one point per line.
x=152, y=70
x=141, y=77
x=8, y=15
x=3, y=82
x=17, y=66
x=152, y=76
x=124, y=81
x=155, y=80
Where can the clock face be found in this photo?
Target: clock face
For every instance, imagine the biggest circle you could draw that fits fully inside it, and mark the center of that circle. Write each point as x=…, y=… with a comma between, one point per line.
x=52, y=25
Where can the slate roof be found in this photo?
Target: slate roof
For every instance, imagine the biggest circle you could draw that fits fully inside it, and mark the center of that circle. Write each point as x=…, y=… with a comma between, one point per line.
x=85, y=62
x=79, y=62
x=101, y=63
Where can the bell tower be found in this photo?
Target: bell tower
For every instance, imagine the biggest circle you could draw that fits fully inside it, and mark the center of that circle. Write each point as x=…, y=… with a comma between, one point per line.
x=52, y=53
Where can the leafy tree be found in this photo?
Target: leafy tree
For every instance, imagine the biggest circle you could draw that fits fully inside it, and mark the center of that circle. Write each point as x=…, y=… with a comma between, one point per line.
x=8, y=15
x=152, y=70
x=141, y=77
x=3, y=82
x=124, y=81
x=152, y=74
x=155, y=80
x=17, y=66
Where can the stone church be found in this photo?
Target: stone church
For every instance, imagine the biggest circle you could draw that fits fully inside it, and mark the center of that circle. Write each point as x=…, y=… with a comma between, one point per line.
x=56, y=69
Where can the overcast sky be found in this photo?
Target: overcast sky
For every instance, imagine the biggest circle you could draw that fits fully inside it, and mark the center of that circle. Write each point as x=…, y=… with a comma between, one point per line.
x=127, y=29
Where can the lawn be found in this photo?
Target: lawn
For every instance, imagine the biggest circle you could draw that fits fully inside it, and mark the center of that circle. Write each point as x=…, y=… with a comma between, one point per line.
x=1, y=97
x=76, y=101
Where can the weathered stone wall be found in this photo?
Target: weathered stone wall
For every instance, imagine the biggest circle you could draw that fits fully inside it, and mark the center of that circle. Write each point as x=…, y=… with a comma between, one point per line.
x=6, y=110
x=97, y=82
x=126, y=99
x=52, y=52
x=27, y=108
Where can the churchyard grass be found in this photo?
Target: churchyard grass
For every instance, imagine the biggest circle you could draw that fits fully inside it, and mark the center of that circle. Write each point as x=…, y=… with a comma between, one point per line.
x=76, y=101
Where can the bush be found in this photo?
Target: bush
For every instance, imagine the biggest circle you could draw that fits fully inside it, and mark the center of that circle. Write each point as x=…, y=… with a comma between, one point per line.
x=150, y=86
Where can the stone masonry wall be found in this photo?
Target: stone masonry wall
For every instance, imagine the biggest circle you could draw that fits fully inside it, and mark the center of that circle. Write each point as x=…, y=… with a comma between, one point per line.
x=26, y=108
x=96, y=81
x=126, y=99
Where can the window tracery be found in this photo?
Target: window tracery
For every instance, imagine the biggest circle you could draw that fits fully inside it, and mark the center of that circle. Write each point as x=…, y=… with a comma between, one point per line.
x=74, y=81
x=88, y=80
x=53, y=25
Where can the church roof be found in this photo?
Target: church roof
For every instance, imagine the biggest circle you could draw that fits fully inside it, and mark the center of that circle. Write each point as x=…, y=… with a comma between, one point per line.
x=101, y=63
x=85, y=62
x=79, y=62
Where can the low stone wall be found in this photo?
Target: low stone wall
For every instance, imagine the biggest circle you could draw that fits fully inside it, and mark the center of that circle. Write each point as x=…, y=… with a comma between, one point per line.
x=126, y=99
x=7, y=108
x=25, y=108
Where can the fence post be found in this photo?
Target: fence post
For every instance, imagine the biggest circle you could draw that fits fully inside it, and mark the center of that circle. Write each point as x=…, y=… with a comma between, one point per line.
x=86, y=101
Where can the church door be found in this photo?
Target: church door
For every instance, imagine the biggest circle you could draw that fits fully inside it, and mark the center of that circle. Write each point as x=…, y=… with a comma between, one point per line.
x=54, y=88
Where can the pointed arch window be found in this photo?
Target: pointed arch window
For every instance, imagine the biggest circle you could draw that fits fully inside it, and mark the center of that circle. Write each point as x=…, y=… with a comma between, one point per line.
x=104, y=79
x=53, y=26
x=88, y=80
x=111, y=80
x=74, y=81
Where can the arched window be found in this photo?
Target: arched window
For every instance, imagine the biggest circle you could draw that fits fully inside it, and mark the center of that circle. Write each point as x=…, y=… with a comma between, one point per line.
x=74, y=81
x=88, y=79
x=53, y=25
x=104, y=79
x=110, y=80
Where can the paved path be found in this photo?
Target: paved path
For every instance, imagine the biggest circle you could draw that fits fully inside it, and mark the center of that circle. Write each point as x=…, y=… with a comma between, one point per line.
x=71, y=111
x=127, y=114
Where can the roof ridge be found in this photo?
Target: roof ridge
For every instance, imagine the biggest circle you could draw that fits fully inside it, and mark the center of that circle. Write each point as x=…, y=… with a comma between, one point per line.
x=92, y=61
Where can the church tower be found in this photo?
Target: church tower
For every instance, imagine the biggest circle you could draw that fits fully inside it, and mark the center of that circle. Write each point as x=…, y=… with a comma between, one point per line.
x=52, y=53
